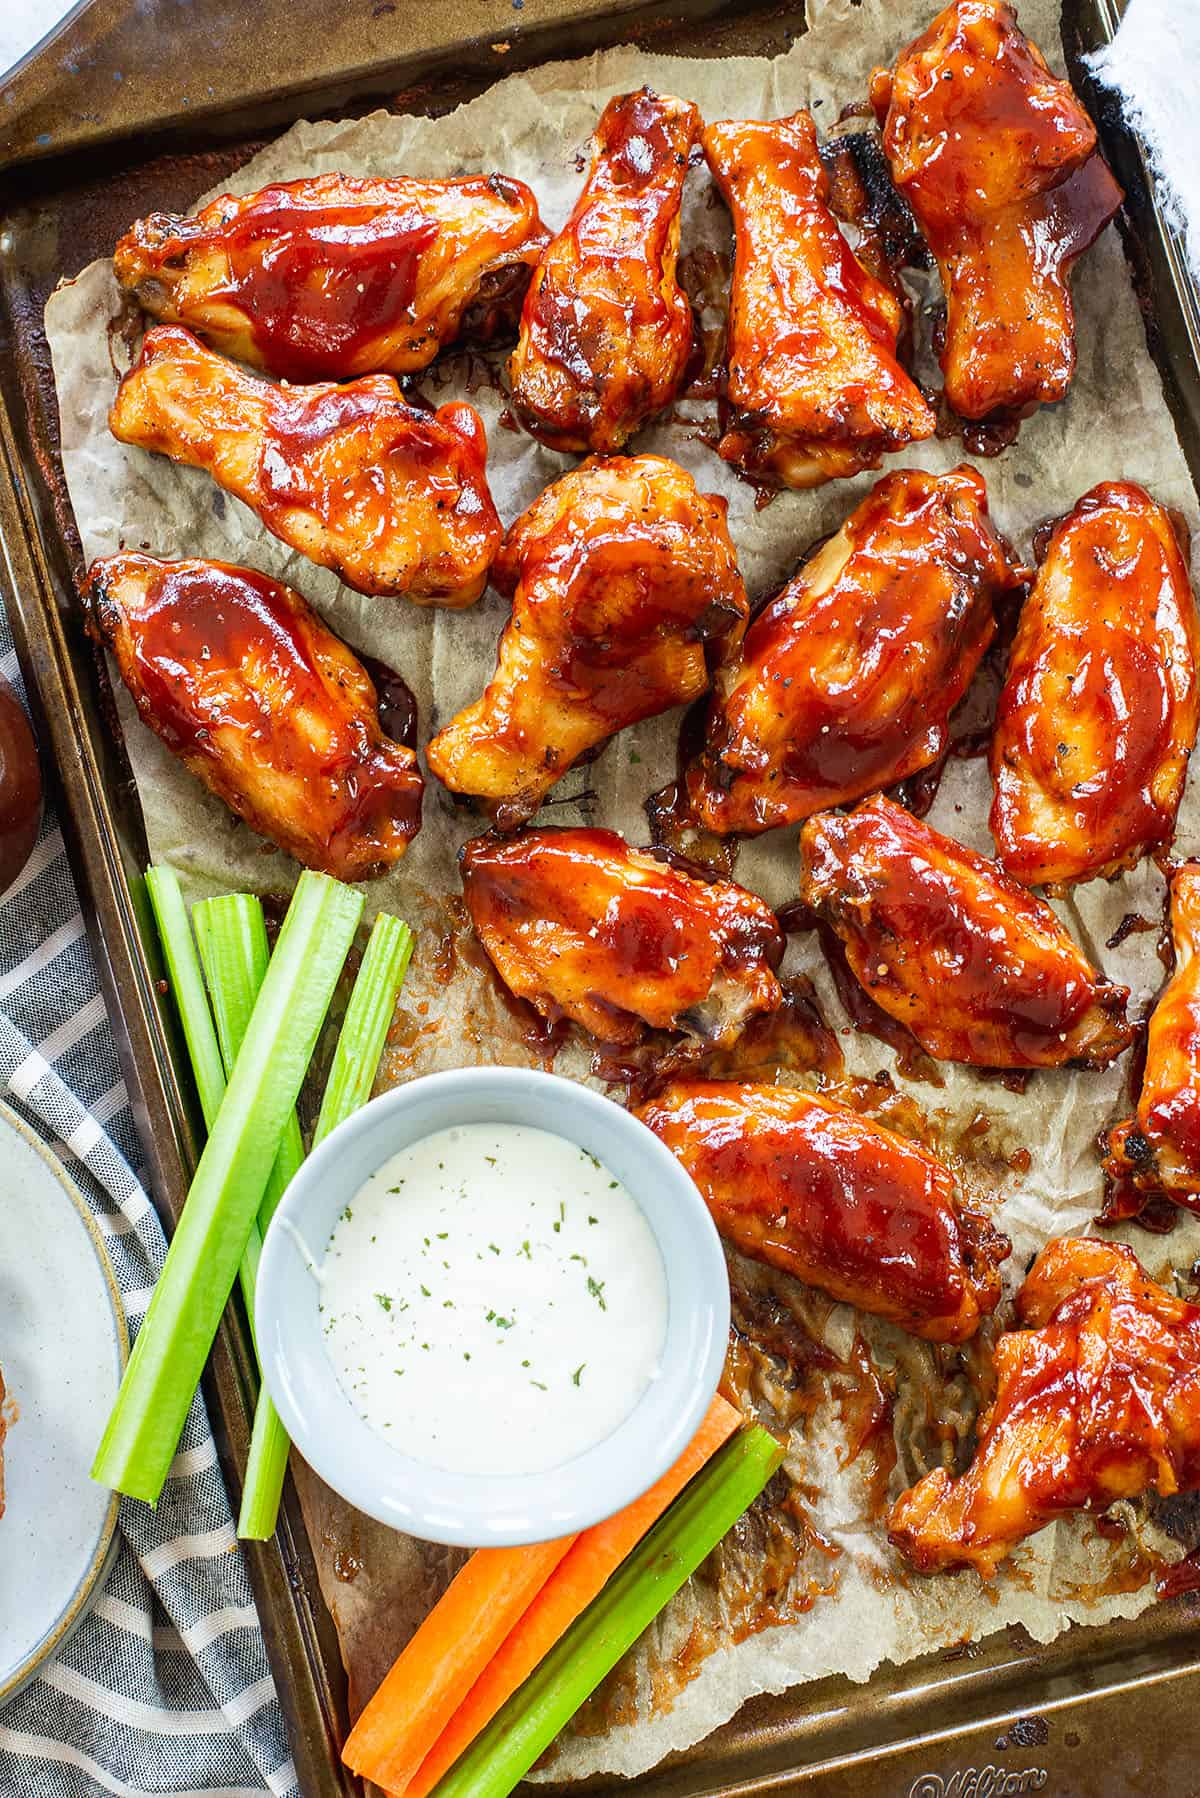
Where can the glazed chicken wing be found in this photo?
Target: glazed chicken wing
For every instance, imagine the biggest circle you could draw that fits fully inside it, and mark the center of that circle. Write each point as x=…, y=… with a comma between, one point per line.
x=811, y=1187
x=1097, y=1399
x=241, y=680
x=336, y=276
x=998, y=160
x=980, y=970
x=584, y=927
x=814, y=386
x=621, y=575
x=1158, y=1149
x=1099, y=710
x=847, y=678
x=606, y=329
x=393, y=499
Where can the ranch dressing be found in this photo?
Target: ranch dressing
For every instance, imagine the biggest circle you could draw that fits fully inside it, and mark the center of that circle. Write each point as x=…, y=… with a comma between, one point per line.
x=493, y=1300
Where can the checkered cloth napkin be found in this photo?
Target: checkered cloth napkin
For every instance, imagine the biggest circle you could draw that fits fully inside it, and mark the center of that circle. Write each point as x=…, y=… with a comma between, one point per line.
x=165, y=1689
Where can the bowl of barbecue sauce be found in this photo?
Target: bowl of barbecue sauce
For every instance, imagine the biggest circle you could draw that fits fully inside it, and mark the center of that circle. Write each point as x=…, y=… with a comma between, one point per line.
x=20, y=788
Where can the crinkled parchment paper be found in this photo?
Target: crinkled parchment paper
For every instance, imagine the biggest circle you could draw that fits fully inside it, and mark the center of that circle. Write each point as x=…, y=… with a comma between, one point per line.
x=836, y=1603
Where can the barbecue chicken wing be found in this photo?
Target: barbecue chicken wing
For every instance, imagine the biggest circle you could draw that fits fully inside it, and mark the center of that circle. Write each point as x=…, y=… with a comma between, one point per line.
x=847, y=678
x=1158, y=1149
x=998, y=160
x=335, y=276
x=584, y=927
x=814, y=385
x=241, y=680
x=621, y=575
x=979, y=969
x=606, y=329
x=813, y=1188
x=393, y=499
x=1099, y=710
x=1097, y=1399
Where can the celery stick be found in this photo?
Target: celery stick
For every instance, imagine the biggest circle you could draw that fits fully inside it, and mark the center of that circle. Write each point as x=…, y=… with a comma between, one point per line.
x=232, y=935
x=502, y=1754
x=172, y=1345
x=366, y=1024
x=351, y=1077
x=187, y=987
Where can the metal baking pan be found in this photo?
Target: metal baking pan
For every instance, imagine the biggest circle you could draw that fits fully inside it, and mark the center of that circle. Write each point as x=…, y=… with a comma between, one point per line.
x=130, y=108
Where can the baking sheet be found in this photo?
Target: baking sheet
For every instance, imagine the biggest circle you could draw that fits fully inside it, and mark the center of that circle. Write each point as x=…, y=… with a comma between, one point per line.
x=822, y=1552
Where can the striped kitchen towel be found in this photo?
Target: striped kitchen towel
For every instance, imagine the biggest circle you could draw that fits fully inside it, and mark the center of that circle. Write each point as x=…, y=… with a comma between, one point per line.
x=165, y=1689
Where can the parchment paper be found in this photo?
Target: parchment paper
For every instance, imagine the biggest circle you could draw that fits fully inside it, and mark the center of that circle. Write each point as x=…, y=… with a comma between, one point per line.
x=839, y=1605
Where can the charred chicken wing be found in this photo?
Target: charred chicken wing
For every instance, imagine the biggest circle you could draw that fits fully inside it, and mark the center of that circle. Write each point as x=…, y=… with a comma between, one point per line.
x=393, y=499
x=979, y=969
x=606, y=329
x=336, y=276
x=1097, y=1399
x=584, y=927
x=814, y=384
x=1099, y=711
x=813, y=1188
x=847, y=678
x=241, y=680
x=998, y=160
x=1158, y=1149
x=621, y=575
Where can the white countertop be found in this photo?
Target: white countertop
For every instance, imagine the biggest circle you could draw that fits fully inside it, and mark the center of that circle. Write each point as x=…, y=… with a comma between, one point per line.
x=23, y=23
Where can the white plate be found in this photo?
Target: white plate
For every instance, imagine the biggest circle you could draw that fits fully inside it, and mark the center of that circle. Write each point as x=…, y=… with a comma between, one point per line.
x=62, y=1347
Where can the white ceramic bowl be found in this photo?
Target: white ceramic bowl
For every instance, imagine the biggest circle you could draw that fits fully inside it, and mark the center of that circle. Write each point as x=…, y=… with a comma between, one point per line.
x=463, y=1508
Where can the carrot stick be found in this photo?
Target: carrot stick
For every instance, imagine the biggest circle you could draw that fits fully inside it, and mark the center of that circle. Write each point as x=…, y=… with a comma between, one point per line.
x=576, y=1580
x=441, y=1663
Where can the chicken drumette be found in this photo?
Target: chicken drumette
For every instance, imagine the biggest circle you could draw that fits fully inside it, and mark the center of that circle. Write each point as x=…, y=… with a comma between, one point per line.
x=998, y=160
x=622, y=574
x=606, y=329
x=336, y=276
x=847, y=679
x=1158, y=1149
x=1099, y=710
x=584, y=927
x=241, y=680
x=1097, y=1399
x=979, y=969
x=811, y=1187
x=394, y=499
x=814, y=386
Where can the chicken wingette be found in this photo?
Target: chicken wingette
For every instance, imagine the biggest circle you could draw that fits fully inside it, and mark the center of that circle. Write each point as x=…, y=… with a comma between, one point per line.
x=1099, y=710
x=1158, y=1148
x=979, y=969
x=334, y=276
x=584, y=927
x=846, y=680
x=809, y=1186
x=240, y=679
x=393, y=498
x=1097, y=1399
